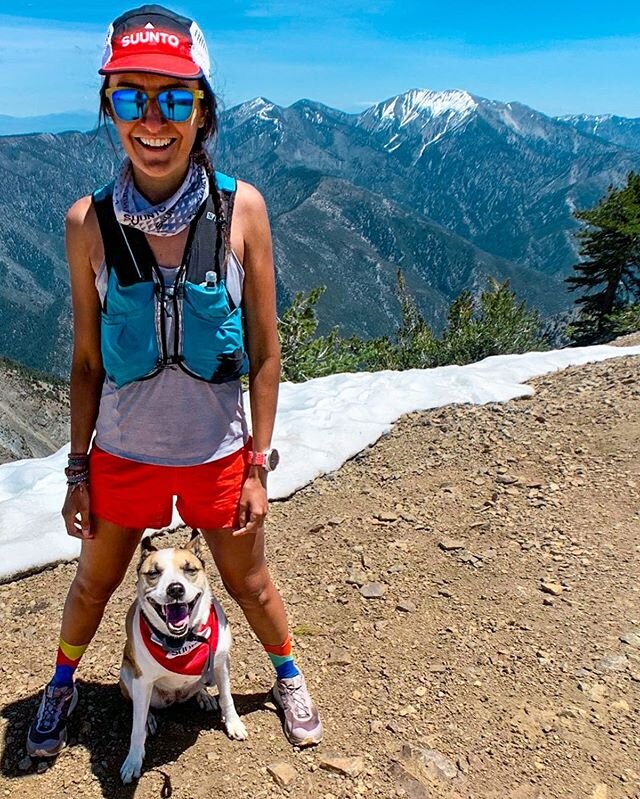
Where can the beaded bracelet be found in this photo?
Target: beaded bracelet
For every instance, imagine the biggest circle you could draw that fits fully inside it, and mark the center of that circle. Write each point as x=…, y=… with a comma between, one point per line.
x=75, y=478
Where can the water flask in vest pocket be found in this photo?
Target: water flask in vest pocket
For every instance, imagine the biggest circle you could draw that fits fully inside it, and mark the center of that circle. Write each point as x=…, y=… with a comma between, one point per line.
x=210, y=280
x=213, y=344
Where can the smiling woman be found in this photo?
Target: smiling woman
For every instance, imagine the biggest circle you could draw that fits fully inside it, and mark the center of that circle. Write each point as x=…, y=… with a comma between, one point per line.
x=173, y=292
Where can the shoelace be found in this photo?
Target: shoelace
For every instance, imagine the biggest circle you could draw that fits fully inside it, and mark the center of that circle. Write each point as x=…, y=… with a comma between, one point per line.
x=51, y=709
x=299, y=700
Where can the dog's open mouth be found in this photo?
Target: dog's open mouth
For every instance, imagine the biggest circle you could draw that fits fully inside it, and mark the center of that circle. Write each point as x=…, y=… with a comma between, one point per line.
x=176, y=615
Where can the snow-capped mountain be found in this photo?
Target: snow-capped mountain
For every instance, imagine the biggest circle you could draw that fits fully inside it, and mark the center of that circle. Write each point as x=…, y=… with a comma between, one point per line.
x=418, y=117
x=446, y=186
x=618, y=130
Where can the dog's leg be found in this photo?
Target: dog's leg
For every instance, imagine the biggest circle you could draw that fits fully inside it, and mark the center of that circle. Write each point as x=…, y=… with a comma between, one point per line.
x=233, y=725
x=206, y=701
x=141, y=697
x=152, y=723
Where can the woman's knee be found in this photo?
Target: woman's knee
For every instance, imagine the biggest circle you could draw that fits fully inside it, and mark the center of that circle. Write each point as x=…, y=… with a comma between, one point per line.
x=252, y=589
x=93, y=589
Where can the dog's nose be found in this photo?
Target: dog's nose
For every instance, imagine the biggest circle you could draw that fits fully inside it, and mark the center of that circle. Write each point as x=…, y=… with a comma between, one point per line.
x=175, y=590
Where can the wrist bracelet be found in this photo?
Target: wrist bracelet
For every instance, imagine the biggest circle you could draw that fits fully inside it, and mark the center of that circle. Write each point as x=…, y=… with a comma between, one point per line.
x=78, y=460
x=74, y=478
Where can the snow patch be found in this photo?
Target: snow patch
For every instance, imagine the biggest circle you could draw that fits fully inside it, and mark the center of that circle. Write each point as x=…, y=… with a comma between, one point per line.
x=320, y=424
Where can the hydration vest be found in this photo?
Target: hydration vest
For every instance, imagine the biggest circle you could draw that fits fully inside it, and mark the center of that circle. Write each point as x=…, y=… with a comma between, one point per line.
x=208, y=340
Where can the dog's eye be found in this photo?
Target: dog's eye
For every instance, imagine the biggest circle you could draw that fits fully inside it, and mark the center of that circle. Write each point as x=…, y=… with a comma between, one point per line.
x=190, y=570
x=153, y=574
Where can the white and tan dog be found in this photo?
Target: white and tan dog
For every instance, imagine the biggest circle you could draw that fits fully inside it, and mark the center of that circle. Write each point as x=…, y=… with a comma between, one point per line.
x=178, y=642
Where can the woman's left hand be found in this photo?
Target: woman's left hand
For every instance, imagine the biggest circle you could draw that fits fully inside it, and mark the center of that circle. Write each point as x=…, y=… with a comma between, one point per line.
x=253, y=504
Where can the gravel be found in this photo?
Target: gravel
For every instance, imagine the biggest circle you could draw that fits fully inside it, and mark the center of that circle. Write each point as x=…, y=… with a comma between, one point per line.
x=512, y=697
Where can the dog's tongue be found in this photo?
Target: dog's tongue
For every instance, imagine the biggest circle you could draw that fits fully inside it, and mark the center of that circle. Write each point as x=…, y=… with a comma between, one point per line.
x=177, y=613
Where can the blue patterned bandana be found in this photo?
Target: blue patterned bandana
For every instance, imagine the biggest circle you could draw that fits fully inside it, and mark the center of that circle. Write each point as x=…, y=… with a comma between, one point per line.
x=167, y=218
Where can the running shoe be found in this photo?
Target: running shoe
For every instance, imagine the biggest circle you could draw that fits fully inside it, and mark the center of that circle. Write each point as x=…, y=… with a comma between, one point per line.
x=48, y=732
x=301, y=723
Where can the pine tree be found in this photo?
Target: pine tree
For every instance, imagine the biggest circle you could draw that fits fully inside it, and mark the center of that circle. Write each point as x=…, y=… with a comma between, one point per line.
x=415, y=346
x=610, y=247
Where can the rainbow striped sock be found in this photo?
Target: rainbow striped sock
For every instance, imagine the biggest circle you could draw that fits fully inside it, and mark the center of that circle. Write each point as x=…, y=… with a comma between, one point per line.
x=282, y=659
x=67, y=661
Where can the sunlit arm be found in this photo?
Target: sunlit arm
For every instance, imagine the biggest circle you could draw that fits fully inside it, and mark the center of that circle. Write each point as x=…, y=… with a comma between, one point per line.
x=87, y=374
x=263, y=346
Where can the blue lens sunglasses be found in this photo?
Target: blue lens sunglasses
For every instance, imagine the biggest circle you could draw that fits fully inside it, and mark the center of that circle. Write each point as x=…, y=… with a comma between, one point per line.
x=176, y=105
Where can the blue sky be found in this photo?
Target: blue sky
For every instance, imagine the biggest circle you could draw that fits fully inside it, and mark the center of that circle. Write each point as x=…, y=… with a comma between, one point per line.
x=559, y=57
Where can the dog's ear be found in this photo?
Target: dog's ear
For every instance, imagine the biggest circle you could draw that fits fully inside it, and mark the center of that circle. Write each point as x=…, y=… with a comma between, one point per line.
x=147, y=546
x=194, y=545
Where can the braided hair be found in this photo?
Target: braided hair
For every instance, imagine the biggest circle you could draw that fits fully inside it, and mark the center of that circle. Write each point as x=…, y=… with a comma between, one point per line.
x=199, y=155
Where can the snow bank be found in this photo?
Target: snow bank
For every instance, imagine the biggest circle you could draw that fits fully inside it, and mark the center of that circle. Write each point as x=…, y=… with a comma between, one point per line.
x=320, y=425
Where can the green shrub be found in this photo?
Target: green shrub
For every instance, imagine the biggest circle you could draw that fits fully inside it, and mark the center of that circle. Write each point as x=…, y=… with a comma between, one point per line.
x=495, y=324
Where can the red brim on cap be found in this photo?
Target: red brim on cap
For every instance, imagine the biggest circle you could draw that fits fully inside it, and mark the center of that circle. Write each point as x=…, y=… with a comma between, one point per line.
x=170, y=65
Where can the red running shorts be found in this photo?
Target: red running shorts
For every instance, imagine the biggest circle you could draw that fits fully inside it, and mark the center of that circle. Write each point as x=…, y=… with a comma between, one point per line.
x=140, y=495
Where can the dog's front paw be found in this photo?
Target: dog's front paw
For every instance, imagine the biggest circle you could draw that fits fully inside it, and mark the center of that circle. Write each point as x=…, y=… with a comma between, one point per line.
x=206, y=701
x=235, y=729
x=132, y=767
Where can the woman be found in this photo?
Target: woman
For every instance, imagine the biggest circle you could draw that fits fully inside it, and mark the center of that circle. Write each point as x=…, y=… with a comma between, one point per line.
x=173, y=295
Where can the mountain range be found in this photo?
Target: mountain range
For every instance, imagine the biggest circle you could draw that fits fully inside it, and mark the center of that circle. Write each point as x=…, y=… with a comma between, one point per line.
x=48, y=123
x=448, y=187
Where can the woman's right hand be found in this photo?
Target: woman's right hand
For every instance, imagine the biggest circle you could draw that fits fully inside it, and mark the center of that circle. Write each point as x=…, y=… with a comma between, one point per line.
x=75, y=512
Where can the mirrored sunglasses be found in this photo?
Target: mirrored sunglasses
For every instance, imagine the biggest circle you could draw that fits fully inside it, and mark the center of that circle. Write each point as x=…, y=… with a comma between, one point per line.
x=176, y=105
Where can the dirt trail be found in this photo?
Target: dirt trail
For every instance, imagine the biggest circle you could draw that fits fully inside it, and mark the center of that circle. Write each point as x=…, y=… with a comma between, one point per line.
x=503, y=660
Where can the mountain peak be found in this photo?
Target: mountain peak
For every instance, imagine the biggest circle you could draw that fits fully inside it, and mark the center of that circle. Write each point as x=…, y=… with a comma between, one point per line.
x=258, y=107
x=416, y=103
x=422, y=113
x=261, y=107
x=258, y=102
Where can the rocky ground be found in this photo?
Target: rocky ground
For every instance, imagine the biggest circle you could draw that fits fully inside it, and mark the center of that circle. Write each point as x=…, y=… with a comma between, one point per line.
x=466, y=607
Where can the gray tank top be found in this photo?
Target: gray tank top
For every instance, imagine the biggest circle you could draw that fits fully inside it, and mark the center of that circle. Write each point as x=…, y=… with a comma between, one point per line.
x=173, y=419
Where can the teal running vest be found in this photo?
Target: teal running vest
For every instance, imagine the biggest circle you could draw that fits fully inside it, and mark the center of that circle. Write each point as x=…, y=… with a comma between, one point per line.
x=208, y=340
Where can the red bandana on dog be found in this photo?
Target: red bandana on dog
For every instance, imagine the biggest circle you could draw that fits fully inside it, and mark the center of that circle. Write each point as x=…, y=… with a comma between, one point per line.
x=191, y=659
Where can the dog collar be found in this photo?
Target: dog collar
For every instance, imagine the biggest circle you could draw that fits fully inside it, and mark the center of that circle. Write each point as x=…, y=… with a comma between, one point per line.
x=170, y=642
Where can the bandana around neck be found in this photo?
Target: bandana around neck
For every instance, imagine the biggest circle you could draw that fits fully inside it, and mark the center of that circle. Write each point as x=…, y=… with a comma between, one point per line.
x=193, y=655
x=166, y=218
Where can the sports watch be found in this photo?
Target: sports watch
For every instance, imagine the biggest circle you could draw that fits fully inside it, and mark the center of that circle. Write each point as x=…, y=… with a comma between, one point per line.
x=268, y=459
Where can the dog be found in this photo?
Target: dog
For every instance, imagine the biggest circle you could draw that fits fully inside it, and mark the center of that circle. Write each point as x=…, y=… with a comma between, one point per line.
x=178, y=642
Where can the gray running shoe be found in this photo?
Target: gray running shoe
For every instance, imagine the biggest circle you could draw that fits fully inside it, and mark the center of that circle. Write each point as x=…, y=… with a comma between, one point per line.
x=48, y=732
x=302, y=725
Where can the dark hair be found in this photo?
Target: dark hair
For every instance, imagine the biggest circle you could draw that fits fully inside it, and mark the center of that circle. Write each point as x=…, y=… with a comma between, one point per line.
x=199, y=154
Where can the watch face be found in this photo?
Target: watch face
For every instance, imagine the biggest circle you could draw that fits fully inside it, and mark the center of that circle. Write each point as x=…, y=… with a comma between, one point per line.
x=274, y=459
